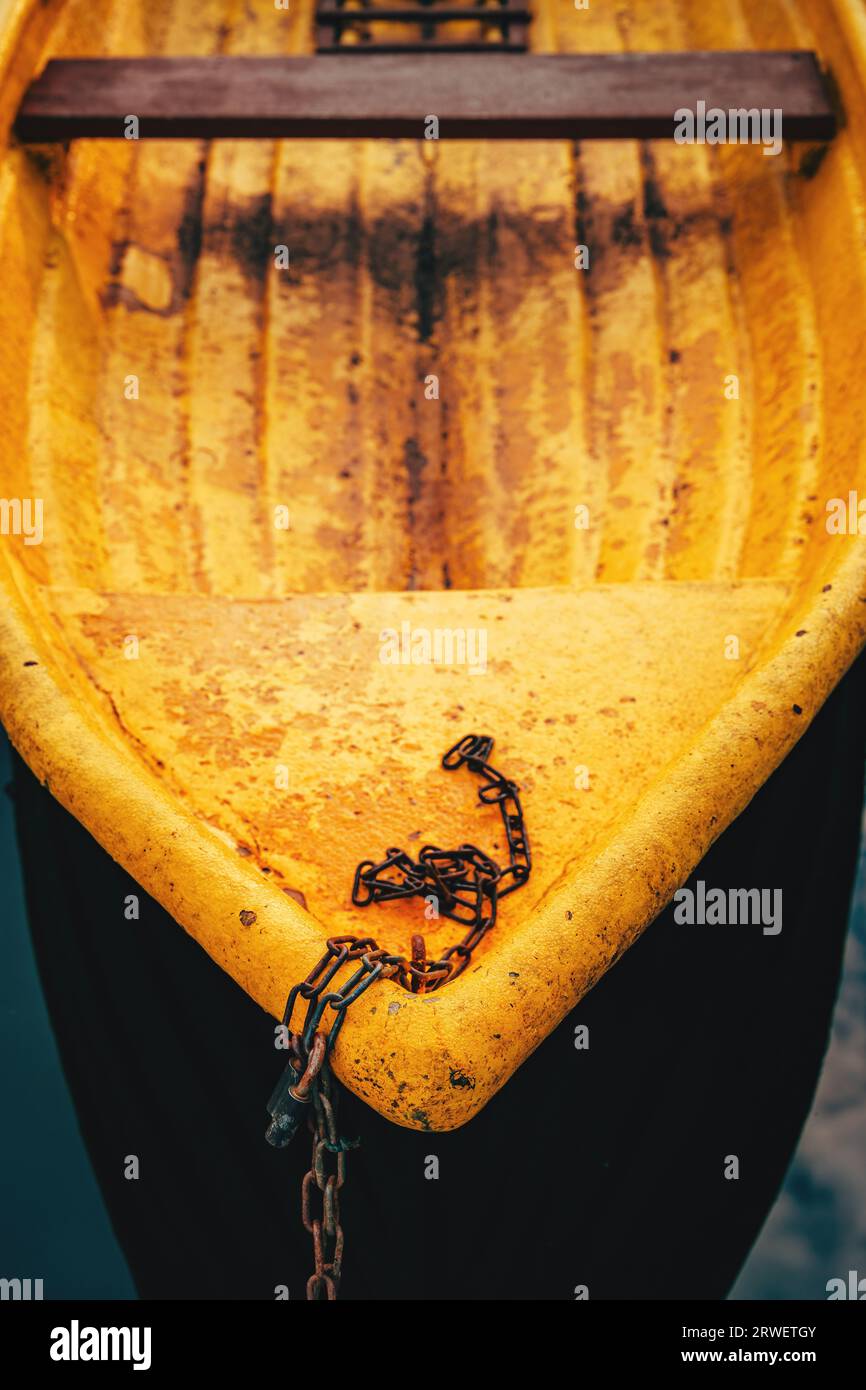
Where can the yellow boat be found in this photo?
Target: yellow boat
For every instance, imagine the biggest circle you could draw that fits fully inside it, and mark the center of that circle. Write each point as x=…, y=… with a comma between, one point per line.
x=584, y=415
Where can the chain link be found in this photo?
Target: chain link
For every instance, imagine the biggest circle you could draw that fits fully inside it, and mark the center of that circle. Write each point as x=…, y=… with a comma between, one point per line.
x=466, y=883
x=467, y=886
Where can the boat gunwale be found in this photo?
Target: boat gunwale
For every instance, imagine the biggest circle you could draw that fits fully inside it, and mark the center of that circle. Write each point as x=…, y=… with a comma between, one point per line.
x=527, y=982
x=630, y=878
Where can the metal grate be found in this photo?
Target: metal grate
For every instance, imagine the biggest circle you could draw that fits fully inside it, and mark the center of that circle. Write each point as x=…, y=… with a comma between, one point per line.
x=371, y=26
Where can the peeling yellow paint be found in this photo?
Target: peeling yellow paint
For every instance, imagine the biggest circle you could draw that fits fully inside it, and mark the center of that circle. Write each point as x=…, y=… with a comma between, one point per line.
x=283, y=489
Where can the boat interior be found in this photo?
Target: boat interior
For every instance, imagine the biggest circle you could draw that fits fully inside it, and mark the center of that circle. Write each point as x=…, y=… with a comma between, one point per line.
x=282, y=398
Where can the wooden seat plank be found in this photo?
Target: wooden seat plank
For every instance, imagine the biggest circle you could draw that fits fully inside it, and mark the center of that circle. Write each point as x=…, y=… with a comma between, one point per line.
x=474, y=96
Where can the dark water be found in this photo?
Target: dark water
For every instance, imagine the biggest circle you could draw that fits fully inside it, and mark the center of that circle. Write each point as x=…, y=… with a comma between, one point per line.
x=817, y=1229
x=53, y=1224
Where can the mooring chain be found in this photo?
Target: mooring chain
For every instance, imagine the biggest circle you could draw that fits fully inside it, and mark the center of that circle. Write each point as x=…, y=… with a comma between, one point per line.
x=467, y=886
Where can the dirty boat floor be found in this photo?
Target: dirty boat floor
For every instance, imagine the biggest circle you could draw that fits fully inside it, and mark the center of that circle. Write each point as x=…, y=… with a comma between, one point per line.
x=279, y=725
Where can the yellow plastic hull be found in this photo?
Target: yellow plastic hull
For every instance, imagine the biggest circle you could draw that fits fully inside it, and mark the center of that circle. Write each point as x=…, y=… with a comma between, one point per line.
x=203, y=688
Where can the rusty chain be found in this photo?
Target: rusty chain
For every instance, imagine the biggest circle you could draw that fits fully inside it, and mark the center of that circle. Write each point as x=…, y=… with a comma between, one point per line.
x=466, y=885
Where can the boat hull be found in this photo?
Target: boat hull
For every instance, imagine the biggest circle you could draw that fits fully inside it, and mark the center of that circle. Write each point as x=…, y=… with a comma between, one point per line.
x=434, y=412
x=602, y=1167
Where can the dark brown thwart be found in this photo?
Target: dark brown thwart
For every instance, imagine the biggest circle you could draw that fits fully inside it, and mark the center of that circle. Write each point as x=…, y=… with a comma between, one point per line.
x=493, y=95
